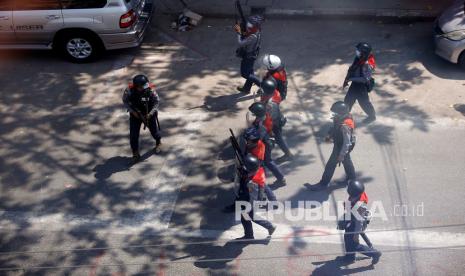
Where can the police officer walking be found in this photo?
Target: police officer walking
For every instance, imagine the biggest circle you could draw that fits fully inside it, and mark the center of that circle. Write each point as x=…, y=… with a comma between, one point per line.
x=255, y=146
x=342, y=134
x=250, y=189
x=357, y=224
x=249, y=47
x=275, y=68
x=264, y=125
x=142, y=101
x=272, y=99
x=362, y=82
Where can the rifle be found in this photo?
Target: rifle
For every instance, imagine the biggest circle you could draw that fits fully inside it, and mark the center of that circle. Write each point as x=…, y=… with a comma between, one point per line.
x=142, y=118
x=158, y=122
x=237, y=149
x=241, y=175
x=243, y=21
x=351, y=70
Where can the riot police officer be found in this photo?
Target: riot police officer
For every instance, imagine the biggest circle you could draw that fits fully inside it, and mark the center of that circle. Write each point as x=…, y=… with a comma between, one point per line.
x=250, y=188
x=142, y=102
x=264, y=125
x=342, y=134
x=276, y=70
x=357, y=224
x=362, y=82
x=255, y=146
x=249, y=48
x=272, y=99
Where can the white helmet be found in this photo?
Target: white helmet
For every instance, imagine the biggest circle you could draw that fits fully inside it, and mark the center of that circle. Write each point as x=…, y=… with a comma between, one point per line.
x=271, y=62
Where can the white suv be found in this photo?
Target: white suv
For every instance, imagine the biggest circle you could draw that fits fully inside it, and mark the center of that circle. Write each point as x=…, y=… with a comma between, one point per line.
x=77, y=28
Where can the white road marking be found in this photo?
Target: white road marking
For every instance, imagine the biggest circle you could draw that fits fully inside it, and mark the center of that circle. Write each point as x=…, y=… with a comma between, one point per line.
x=157, y=205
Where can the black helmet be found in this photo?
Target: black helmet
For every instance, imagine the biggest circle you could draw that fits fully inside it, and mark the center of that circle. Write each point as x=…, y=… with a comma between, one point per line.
x=251, y=134
x=355, y=188
x=251, y=163
x=364, y=48
x=141, y=81
x=258, y=109
x=268, y=86
x=340, y=108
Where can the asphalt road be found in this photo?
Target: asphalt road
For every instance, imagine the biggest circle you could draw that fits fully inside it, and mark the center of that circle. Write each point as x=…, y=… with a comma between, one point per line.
x=71, y=203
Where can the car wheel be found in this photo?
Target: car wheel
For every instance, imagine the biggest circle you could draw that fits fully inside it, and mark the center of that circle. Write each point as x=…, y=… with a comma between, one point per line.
x=79, y=47
x=461, y=60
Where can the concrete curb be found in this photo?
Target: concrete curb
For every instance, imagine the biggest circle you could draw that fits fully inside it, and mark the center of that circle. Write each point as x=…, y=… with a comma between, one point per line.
x=342, y=13
x=355, y=12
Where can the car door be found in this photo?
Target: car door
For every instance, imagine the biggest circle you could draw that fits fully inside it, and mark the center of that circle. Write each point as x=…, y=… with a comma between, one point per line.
x=7, y=34
x=37, y=21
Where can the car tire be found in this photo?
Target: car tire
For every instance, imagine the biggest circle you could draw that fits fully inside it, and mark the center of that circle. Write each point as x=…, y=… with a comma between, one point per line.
x=461, y=60
x=79, y=47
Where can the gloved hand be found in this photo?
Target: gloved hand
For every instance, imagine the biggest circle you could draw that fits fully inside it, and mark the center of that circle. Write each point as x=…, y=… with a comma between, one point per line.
x=237, y=28
x=135, y=114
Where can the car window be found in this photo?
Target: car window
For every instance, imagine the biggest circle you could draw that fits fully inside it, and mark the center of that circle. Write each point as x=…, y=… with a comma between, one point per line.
x=25, y=5
x=83, y=4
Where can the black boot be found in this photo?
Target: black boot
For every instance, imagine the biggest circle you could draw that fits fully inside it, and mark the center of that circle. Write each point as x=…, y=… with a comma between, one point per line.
x=157, y=148
x=135, y=156
x=375, y=258
x=242, y=90
x=316, y=187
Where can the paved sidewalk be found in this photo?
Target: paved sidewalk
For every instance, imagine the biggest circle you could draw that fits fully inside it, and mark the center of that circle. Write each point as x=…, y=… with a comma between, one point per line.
x=383, y=8
x=70, y=199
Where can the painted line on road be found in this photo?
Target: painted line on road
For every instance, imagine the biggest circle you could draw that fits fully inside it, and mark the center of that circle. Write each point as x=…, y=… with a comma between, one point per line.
x=158, y=202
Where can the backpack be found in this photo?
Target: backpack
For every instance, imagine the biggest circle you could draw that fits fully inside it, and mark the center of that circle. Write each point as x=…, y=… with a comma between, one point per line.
x=353, y=139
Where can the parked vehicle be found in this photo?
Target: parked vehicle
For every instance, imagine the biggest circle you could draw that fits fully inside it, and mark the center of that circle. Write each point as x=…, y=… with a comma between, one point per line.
x=80, y=29
x=449, y=34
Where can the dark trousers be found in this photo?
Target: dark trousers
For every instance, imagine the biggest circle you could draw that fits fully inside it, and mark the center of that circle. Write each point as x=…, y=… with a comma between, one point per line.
x=278, y=136
x=247, y=224
x=247, y=73
x=353, y=246
x=358, y=92
x=271, y=165
x=269, y=193
x=134, y=131
x=331, y=167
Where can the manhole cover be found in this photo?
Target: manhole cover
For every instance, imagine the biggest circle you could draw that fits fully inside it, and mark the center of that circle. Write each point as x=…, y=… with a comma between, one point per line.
x=460, y=108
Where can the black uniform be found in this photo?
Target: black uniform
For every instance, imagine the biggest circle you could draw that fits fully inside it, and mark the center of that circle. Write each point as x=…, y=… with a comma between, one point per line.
x=344, y=141
x=360, y=74
x=249, y=191
x=249, y=48
x=353, y=229
x=145, y=104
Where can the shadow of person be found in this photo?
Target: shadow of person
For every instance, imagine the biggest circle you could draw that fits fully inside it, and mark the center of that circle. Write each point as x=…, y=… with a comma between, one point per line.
x=218, y=257
x=338, y=267
x=460, y=108
x=224, y=102
x=112, y=165
x=322, y=195
x=118, y=164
